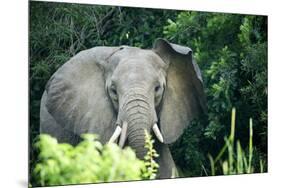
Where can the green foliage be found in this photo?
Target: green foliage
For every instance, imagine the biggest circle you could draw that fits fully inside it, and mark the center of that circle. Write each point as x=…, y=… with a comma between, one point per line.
x=231, y=51
x=151, y=166
x=90, y=162
x=237, y=161
x=187, y=153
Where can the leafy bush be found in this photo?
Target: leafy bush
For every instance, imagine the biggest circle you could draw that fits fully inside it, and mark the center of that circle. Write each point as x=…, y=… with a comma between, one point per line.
x=90, y=162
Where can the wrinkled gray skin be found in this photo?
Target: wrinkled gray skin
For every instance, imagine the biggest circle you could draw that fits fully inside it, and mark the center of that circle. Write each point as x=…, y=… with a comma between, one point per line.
x=103, y=87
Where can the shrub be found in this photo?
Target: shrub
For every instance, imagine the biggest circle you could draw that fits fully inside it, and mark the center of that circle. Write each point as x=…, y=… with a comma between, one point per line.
x=90, y=162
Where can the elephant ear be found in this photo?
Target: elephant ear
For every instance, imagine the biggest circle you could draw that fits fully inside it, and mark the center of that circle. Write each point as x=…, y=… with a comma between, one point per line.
x=184, y=98
x=76, y=95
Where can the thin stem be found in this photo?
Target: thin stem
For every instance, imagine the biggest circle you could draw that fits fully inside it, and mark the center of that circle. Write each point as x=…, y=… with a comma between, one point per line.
x=250, y=145
x=232, y=132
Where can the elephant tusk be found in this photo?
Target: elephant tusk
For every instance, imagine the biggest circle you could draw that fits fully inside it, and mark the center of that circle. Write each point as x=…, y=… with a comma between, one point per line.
x=157, y=133
x=123, y=134
x=115, y=135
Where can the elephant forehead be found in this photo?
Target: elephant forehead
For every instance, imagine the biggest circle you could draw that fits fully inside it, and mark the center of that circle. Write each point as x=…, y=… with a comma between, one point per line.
x=133, y=53
x=137, y=65
x=134, y=69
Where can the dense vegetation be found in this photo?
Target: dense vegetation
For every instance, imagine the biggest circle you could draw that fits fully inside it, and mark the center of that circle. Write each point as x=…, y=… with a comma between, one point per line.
x=231, y=51
x=90, y=162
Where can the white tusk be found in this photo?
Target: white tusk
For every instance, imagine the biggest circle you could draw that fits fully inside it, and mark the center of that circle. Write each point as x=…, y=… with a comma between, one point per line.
x=123, y=134
x=157, y=133
x=115, y=135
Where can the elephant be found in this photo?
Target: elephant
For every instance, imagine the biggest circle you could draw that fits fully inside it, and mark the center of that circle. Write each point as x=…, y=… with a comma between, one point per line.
x=118, y=92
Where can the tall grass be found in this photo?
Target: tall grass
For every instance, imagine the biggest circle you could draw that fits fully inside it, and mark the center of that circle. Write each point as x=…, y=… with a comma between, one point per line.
x=232, y=158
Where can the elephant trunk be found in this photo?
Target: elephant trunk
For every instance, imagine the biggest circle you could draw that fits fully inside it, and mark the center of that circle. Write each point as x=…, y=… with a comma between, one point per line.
x=139, y=118
x=136, y=140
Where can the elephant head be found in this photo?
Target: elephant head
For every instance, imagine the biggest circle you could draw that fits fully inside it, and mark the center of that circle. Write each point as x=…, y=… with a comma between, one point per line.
x=118, y=92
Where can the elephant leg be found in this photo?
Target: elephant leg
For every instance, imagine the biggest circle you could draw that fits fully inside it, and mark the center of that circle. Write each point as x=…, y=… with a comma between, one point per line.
x=167, y=167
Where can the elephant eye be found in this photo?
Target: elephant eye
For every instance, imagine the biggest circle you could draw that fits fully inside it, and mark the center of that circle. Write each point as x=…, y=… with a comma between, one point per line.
x=113, y=90
x=157, y=88
x=113, y=94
